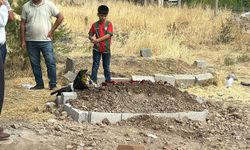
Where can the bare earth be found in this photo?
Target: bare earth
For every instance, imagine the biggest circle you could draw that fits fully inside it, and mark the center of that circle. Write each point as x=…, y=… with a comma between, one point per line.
x=34, y=126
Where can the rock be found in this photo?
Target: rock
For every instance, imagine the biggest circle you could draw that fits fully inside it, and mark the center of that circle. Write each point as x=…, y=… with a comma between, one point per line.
x=69, y=147
x=200, y=64
x=152, y=136
x=14, y=126
x=58, y=128
x=51, y=120
x=220, y=94
x=146, y=52
x=106, y=121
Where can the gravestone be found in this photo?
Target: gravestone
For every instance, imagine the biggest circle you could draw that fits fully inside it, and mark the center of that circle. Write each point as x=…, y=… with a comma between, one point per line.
x=70, y=65
x=145, y=52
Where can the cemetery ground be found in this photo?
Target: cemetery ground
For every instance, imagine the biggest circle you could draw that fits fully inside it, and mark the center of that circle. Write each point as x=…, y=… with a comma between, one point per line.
x=32, y=125
x=176, y=41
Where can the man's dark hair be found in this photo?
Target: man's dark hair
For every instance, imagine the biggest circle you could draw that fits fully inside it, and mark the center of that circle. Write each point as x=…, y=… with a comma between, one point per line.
x=103, y=9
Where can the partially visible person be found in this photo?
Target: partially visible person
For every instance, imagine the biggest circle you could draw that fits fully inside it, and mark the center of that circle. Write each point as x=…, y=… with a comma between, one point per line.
x=3, y=22
x=100, y=35
x=11, y=17
x=36, y=35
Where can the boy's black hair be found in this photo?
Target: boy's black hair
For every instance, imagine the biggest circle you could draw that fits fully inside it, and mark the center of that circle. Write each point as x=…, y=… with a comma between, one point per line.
x=103, y=9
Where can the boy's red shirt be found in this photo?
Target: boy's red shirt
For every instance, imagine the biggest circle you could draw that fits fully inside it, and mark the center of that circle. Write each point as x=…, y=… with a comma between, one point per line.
x=99, y=29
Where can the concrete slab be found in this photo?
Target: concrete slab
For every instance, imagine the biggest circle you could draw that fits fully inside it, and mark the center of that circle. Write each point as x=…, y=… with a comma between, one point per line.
x=184, y=80
x=130, y=115
x=140, y=78
x=77, y=115
x=67, y=96
x=59, y=100
x=201, y=78
x=193, y=115
x=116, y=79
x=165, y=78
x=97, y=117
x=70, y=76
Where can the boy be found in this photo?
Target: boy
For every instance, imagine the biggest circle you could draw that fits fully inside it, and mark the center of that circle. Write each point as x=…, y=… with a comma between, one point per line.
x=3, y=22
x=100, y=35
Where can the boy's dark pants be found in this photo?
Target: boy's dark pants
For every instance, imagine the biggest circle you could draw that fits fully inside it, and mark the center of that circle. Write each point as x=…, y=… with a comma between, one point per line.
x=1, y=79
x=106, y=63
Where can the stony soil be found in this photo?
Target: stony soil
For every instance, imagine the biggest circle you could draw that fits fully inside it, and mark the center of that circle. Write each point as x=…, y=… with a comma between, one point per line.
x=138, y=97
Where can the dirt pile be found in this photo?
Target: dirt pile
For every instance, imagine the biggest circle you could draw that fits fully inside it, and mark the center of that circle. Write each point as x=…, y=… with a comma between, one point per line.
x=137, y=97
x=225, y=125
x=125, y=66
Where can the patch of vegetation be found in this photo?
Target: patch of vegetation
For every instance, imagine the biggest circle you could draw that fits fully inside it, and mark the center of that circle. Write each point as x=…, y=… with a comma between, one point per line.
x=243, y=58
x=226, y=35
x=235, y=5
x=228, y=61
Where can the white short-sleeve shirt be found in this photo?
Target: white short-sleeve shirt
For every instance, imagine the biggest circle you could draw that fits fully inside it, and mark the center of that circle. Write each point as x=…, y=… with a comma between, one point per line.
x=38, y=20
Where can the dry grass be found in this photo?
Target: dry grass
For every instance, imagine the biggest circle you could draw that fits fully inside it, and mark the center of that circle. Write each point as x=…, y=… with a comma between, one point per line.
x=166, y=31
x=23, y=104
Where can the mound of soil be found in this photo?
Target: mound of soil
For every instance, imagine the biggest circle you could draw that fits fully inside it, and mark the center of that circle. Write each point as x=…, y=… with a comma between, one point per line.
x=125, y=66
x=136, y=97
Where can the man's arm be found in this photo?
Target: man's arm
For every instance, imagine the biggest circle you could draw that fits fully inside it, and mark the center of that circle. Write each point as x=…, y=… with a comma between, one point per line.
x=22, y=30
x=10, y=11
x=59, y=19
x=105, y=37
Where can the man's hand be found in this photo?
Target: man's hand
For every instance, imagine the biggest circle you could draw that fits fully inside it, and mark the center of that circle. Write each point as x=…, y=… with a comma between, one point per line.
x=23, y=45
x=50, y=34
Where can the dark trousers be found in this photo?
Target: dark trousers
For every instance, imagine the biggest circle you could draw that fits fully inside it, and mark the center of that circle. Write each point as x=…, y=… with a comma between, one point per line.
x=35, y=48
x=4, y=52
x=106, y=63
x=1, y=80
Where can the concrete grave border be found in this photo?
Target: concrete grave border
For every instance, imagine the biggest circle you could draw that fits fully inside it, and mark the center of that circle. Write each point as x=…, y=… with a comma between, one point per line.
x=97, y=117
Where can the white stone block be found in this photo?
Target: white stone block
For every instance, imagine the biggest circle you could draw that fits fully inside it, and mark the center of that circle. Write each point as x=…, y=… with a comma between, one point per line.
x=184, y=80
x=165, y=78
x=140, y=78
x=97, y=117
x=77, y=115
x=68, y=95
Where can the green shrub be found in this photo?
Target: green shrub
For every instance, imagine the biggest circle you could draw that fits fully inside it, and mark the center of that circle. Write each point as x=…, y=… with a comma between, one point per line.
x=243, y=58
x=226, y=35
x=228, y=61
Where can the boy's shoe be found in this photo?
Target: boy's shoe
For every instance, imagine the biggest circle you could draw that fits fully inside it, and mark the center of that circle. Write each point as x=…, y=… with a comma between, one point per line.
x=37, y=87
x=52, y=87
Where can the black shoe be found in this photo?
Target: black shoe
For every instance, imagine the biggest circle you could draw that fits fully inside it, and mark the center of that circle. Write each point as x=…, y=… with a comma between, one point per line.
x=37, y=87
x=52, y=87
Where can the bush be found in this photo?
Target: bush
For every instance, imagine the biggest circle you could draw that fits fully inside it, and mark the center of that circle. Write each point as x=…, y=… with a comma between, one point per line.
x=226, y=35
x=228, y=61
x=243, y=58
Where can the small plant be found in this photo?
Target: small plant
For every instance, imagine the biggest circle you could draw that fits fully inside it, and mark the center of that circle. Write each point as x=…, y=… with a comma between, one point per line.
x=243, y=58
x=228, y=61
x=225, y=35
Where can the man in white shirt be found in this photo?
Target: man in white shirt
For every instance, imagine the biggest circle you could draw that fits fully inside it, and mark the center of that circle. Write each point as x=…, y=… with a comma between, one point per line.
x=3, y=22
x=36, y=36
x=10, y=18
